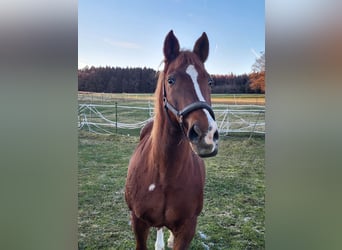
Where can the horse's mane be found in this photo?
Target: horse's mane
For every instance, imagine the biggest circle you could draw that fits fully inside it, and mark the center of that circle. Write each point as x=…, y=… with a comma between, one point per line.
x=158, y=105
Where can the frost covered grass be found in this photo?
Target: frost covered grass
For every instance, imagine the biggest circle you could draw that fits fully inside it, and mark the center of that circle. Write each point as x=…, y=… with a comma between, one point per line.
x=233, y=216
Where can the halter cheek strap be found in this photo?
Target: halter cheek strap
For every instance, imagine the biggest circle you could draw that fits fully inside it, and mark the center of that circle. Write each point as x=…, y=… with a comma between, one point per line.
x=185, y=111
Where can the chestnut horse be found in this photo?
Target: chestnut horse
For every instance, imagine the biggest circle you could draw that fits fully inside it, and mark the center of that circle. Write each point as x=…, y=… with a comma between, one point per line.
x=165, y=180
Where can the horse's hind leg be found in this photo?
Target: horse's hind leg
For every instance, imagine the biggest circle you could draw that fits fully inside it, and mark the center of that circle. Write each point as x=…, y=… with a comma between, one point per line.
x=141, y=230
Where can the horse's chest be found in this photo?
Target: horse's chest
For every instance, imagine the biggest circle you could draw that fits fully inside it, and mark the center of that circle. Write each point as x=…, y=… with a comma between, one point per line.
x=164, y=204
x=165, y=197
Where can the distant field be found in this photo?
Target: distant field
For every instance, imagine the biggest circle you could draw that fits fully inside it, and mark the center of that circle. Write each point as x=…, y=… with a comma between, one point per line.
x=258, y=99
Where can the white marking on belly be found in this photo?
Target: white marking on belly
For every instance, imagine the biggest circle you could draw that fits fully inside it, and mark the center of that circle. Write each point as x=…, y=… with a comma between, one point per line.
x=151, y=187
x=160, y=245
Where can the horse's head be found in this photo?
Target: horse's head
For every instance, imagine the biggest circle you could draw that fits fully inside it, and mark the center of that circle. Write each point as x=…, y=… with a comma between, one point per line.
x=186, y=93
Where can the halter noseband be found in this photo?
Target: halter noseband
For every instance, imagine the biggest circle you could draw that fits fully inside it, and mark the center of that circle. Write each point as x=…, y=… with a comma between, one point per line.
x=185, y=111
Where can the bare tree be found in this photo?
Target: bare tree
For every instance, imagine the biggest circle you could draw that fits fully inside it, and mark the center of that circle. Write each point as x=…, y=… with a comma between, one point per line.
x=259, y=65
x=257, y=77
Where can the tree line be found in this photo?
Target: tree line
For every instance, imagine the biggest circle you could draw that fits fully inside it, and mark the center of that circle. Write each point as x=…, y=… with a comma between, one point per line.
x=117, y=80
x=144, y=80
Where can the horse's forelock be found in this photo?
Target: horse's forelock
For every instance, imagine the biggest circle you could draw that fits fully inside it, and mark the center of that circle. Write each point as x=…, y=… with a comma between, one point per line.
x=184, y=59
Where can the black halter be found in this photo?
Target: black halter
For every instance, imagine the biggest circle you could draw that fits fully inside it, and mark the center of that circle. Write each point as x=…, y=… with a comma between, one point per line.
x=185, y=111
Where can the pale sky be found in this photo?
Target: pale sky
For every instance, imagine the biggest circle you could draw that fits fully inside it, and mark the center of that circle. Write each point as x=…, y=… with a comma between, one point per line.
x=131, y=33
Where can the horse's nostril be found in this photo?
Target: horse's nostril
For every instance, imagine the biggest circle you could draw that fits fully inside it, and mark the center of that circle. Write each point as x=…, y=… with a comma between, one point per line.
x=194, y=133
x=216, y=135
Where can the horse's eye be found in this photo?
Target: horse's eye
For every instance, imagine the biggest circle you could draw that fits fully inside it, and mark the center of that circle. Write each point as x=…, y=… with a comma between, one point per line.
x=211, y=81
x=171, y=80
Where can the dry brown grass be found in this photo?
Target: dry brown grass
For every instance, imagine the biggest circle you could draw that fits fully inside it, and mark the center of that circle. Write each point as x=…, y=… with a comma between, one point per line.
x=216, y=98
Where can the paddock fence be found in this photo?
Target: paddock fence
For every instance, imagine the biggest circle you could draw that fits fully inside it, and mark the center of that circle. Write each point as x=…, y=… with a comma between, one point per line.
x=128, y=117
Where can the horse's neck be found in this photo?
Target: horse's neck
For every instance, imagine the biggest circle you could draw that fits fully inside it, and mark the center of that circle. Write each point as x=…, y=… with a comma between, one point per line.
x=171, y=152
x=168, y=140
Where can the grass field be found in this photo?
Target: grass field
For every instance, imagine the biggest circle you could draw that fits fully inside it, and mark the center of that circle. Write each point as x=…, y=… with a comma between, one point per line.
x=233, y=213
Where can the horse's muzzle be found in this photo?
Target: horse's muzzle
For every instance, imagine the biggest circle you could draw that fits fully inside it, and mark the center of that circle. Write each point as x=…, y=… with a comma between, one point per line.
x=205, y=144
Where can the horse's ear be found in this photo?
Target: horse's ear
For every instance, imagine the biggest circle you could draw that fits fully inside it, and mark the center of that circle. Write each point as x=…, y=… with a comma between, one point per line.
x=171, y=47
x=201, y=47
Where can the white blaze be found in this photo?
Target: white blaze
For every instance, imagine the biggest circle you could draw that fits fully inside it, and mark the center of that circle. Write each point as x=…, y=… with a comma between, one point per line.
x=192, y=72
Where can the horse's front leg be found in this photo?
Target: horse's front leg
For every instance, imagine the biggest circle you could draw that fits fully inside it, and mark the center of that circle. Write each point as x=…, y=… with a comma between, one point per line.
x=170, y=240
x=141, y=230
x=184, y=234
